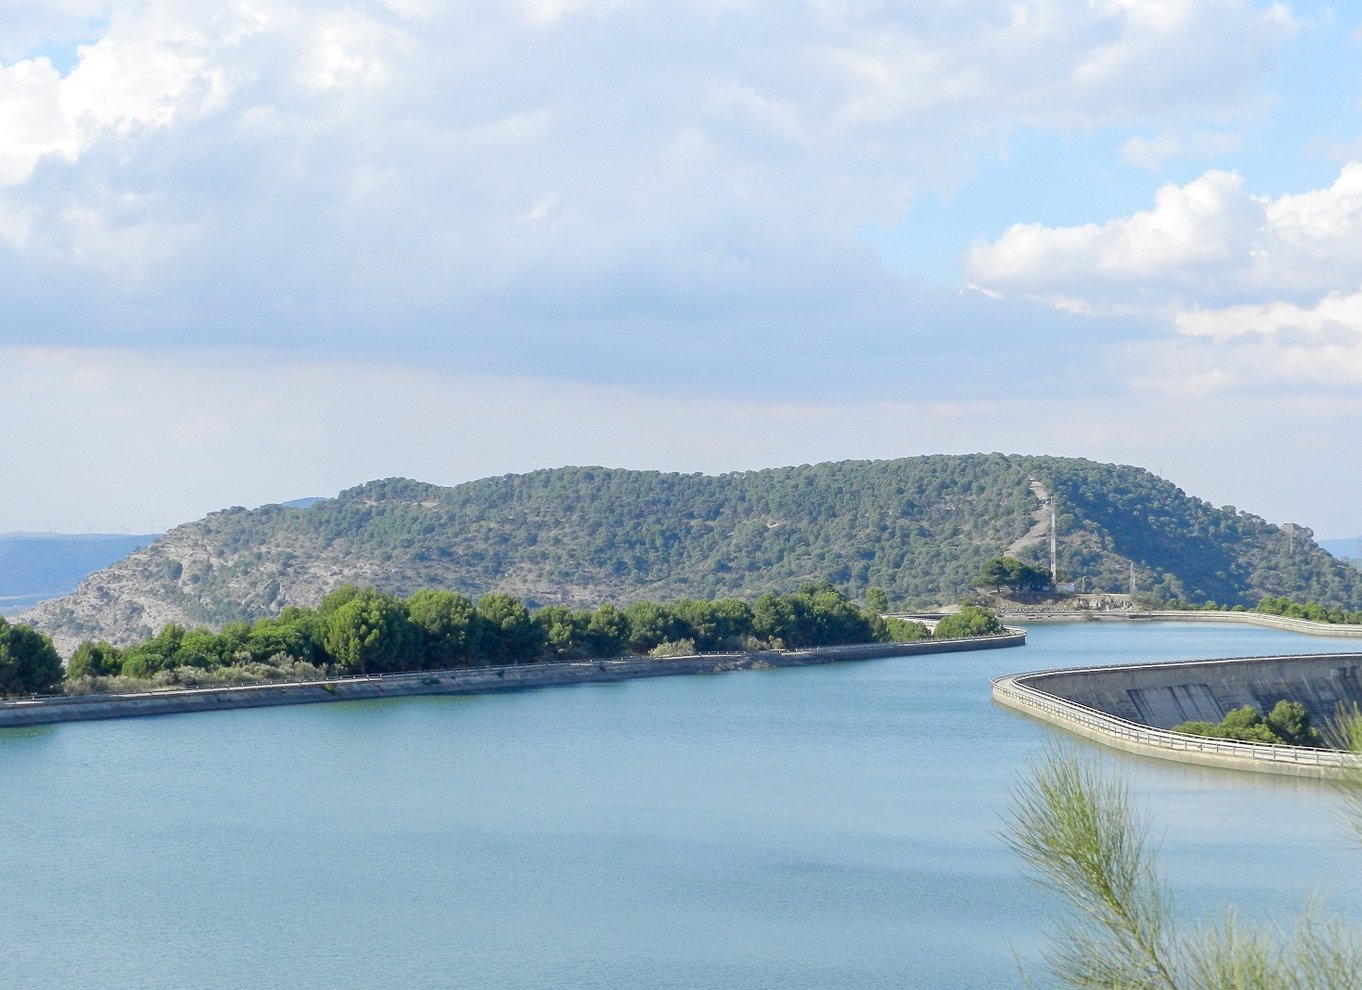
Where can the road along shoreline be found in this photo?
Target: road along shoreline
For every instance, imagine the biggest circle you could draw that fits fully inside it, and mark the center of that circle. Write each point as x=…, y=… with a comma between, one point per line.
x=1189, y=615
x=462, y=680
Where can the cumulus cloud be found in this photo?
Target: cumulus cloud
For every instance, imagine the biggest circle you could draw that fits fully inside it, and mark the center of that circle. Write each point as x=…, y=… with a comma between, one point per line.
x=1209, y=242
x=1257, y=292
x=491, y=180
x=141, y=74
x=1272, y=346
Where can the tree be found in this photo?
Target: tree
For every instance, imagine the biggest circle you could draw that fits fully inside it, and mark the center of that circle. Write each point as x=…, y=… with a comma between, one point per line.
x=904, y=630
x=652, y=623
x=564, y=631
x=295, y=635
x=449, y=627
x=1013, y=574
x=370, y=632
x=506, y=631
x=831, y=618
x=28, y=662
x=156, y=654
x=1291, y=722
x=608, y=631
x=91, y=659
x=876, y=600
x=775, y=619
x=1082, y=838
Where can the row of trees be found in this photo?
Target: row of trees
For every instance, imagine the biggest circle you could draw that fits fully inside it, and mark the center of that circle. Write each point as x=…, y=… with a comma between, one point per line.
x=361, y=630
x=1287, y=724
x=1307, y=610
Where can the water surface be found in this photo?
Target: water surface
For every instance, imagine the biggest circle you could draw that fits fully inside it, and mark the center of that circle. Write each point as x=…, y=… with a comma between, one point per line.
x=824, y=827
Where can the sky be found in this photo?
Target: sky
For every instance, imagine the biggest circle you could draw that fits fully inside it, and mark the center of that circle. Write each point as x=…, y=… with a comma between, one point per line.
x=254, y=251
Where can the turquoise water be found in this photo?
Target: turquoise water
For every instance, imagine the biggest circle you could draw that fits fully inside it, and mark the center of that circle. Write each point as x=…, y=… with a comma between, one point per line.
x=825, y=827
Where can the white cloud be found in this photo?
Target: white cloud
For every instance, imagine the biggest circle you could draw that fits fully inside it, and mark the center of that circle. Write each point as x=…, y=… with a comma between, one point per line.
x=321, y=168
x=1275, y=346
x=1258, y=293
x=1153, y=153
x=1208, y=243
x=149, y=68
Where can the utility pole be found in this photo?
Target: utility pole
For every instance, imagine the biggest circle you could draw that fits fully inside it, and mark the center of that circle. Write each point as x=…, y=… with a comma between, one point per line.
x=1132, y=579
x=1054, y=547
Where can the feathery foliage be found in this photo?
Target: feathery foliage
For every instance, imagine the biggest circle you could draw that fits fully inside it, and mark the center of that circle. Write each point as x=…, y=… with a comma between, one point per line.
x=1081, y=837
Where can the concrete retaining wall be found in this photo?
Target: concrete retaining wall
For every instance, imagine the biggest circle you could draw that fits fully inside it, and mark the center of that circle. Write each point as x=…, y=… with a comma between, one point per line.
x=473, y=680
x=1163, y=695
x=1161, y=744
x=1131, y=707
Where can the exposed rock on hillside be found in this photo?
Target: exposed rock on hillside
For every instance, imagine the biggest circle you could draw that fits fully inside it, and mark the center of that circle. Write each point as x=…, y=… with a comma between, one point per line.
x=918, y=527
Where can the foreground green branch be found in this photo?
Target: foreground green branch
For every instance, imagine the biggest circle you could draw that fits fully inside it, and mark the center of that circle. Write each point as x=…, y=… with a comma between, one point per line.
x=1081, y=837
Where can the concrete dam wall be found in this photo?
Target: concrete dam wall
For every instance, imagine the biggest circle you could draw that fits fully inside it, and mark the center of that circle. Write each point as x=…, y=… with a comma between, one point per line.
x=1163, y=695
x=1132, y=707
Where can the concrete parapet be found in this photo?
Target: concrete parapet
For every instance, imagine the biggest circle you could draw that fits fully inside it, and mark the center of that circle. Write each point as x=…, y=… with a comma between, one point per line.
x=1132, y=707
x=469, y=680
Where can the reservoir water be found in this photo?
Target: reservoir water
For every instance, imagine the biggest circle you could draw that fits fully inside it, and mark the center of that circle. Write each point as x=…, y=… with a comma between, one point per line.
x=824, y=827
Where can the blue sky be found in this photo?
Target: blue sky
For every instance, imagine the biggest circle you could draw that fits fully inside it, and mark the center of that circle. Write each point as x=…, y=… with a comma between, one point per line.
x=252, y=252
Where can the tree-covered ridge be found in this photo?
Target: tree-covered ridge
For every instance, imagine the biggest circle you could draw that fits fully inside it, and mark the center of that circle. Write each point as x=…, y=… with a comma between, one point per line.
x=921, y=528
x=1182, y=548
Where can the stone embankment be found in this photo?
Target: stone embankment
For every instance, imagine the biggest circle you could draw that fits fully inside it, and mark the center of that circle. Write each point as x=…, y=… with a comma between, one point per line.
x=470, y=680
x=1132, y=707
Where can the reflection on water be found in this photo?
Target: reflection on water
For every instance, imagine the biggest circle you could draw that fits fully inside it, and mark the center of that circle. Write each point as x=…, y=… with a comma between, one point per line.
x=822, y=827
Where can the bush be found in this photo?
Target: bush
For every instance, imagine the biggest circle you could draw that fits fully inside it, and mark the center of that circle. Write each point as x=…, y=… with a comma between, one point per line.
x=904, y=630
x=673, y=648
x=972, y=620
x=1288, y=724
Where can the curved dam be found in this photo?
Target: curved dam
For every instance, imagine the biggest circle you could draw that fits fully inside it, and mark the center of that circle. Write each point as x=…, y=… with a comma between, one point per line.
x=1132, y=707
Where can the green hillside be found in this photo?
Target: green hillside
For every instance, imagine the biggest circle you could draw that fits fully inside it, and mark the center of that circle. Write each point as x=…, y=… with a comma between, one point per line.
x=918, y=527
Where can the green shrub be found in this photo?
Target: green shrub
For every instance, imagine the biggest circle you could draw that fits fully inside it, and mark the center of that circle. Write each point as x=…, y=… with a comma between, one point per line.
x=972, y=620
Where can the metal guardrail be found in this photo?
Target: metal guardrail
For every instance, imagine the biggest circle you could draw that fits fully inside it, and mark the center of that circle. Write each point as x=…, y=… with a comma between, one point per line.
x=1061, y=710
x=1250, y=617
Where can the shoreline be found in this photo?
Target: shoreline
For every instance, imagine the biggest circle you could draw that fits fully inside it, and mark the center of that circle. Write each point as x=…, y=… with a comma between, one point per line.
x=462, y=680
x=1305, y=626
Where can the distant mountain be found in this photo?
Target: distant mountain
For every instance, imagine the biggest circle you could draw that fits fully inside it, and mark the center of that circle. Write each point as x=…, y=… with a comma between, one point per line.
x=1344, y=549
x=303, y=503
x=35, y=566
x=918, y=527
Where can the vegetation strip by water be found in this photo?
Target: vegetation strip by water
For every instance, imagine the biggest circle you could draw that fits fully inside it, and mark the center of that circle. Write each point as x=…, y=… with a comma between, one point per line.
x=466, y=680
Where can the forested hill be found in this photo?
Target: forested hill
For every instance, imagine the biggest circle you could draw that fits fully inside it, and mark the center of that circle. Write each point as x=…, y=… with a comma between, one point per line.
x=918, y=527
